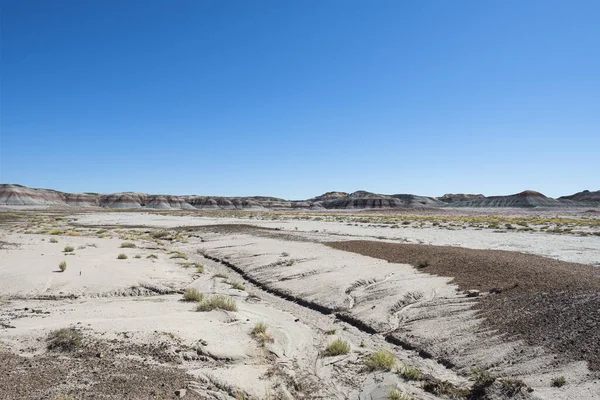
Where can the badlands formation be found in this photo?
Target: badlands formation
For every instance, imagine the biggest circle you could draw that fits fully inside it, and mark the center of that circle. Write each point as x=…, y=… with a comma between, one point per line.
x=456, y=297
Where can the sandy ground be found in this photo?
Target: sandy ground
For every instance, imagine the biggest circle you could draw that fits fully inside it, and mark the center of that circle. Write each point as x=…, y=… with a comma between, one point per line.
x=307, y=293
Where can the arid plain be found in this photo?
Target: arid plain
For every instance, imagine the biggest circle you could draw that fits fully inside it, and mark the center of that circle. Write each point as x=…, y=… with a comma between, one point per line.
x=290, y=305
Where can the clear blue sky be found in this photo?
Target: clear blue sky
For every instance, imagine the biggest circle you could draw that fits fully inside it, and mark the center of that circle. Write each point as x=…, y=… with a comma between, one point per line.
x=295, y=98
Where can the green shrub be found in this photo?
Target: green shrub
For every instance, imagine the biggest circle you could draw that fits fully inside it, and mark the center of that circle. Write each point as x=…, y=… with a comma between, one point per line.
x=65, y=339
x=68, y=249
x=122, y=256
x=336, y=348
x=380, y=360
x=192, y=294
x=217, y=302
x=62, y=266
x=128, y=245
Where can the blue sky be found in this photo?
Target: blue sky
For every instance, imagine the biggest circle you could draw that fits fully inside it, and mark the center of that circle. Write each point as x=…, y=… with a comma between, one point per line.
x=295, y=98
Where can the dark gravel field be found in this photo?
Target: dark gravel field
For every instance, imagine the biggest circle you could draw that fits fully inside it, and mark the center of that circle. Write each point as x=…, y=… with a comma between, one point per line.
x=550, y=303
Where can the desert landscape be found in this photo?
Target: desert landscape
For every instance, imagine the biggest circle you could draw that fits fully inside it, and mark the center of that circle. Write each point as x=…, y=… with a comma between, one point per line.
x=342, y=296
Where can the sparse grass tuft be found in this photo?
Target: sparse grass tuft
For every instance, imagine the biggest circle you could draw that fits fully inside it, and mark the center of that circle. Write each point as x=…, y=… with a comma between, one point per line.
x=220, y=275
x=128, y=245
x=199, y=268
x=68, y=249
x=409, y=373
x=178, y=254
x=380, y=360
x=337, y=348
x=237, y=285
x=62, y=266
x=122, y=256
x=559, y=381
x=152, y=256
x=259, y=332
x=396, y=395
x=260, y=327
x=192, y=294
x=219, y=302
x=65, y=339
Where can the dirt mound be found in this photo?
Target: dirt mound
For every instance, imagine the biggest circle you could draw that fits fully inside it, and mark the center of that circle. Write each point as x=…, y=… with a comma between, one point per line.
x=547, y=302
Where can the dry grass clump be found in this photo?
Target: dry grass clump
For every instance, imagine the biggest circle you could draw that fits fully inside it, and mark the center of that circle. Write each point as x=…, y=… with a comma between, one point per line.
x=382, y=360
x=69, y=249
x=337, y=348
x=409, y=373
x=62, y=266
x=178, y=254
x=559, y=381
x=220, y=275
x=154, y=256
x=259, y=332
x=397, y=395
x=192, y=294
x=122, y=256
x=128, y=245
x=217, y=302
x=65, y=339
x=237, y=285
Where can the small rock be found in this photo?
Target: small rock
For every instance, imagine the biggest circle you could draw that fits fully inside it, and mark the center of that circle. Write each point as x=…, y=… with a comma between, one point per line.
x=180, y=393
x=472, y=293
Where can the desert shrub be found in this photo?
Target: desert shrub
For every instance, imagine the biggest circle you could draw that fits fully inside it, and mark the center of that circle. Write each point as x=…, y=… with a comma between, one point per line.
x=128, y=245
x=152, y=256
x=445, y=388
x=53, y=240
x=192, y=294
x=62, y=266
x=68, y=249
x=409, y=373
x=220, y=275
x=57, y=232
x=422, y=263
x=65, y=339
x=336, y=348
x=380, y=360
x=199, y=268
x=122, y=256
x=559, y=381
x=330, y=332
x=138, y=256
x=237, y=285
x=219, y=302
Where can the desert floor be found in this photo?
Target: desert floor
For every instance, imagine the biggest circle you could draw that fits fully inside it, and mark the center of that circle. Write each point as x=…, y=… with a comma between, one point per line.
x=461, y=305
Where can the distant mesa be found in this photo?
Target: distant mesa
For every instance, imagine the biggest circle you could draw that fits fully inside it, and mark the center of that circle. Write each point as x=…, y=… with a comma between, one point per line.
x=18, y=195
